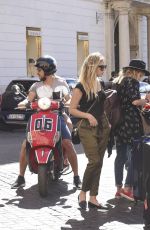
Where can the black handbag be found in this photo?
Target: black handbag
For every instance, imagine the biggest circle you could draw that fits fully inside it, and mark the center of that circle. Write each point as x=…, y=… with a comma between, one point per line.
x=75, y=136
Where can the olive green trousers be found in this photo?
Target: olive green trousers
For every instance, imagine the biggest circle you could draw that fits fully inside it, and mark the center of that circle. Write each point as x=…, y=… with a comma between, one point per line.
x=94, y=141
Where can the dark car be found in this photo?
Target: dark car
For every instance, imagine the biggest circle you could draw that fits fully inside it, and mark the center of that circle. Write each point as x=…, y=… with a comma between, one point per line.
x=144, y=88
x=9, y=101
x=9, y=115
x=71, y=82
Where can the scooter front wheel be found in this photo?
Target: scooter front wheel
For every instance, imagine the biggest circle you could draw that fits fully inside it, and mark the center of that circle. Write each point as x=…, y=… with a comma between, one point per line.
x=43, y=179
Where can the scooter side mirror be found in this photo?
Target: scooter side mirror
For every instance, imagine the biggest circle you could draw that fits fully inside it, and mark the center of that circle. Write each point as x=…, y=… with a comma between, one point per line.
x=16, y=89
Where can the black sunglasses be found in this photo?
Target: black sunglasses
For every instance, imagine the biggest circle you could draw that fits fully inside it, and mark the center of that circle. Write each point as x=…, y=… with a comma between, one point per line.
x=102, y=67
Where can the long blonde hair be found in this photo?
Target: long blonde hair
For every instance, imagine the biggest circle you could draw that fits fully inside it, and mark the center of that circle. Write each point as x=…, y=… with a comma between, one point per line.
x=127, y=72
x=88, y=76
x=118, y=79
x=134, y=73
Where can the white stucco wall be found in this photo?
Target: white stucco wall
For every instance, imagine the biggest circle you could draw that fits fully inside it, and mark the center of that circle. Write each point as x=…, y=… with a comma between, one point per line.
x=59, y=22
x=144, y=38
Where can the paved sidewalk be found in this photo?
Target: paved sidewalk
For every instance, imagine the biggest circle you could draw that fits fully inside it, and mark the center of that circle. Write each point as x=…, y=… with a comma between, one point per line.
x=25, y=210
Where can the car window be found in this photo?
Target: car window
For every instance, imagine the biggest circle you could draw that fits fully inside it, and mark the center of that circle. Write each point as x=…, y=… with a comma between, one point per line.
x=144, y=87
x=25, y=83
x=71, y=82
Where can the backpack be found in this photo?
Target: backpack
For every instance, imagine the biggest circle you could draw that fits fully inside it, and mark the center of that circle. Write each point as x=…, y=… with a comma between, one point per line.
x=113, y=111
x=112, y=107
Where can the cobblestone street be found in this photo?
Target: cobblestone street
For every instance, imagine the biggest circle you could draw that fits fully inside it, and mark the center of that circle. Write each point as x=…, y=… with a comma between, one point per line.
x=26, y=210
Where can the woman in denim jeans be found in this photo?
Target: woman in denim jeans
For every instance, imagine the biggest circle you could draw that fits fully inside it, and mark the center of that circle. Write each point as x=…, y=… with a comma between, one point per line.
x=123, y=158
x=130, y=127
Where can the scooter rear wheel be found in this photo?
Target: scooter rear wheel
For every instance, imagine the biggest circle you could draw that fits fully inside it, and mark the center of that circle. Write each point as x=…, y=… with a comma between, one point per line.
x=43, y=180
x=56, y=174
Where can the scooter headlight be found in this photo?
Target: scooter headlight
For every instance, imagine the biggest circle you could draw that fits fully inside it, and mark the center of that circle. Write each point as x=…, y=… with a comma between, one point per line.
x=44, y=103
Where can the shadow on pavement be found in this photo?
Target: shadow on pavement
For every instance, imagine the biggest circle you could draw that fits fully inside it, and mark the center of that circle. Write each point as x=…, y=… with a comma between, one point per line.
x=10, y=142
x=121, y=211
x=30, y=198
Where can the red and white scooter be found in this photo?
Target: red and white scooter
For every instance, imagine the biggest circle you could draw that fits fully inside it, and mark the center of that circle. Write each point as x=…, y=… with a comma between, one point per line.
x=44, y=143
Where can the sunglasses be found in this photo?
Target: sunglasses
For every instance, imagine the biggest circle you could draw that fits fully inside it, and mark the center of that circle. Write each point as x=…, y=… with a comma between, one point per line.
x=102, y=67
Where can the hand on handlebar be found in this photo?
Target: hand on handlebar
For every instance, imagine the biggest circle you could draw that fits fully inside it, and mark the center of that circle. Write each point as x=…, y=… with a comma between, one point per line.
x=21, y=106
x=24, y=104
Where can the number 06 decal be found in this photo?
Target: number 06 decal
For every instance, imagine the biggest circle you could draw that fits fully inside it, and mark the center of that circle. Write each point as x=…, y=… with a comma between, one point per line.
x=45, y=124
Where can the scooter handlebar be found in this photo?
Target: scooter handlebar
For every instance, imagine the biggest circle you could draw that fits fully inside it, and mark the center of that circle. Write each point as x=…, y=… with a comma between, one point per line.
x=54, y=105
x=42, y=105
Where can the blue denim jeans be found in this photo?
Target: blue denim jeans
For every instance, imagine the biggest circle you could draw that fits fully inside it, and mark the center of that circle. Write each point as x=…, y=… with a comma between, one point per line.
x=65, y=132
x=123, y=159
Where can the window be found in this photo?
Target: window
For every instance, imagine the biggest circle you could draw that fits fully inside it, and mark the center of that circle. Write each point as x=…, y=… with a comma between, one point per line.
x=33, y=49
x=82, y=48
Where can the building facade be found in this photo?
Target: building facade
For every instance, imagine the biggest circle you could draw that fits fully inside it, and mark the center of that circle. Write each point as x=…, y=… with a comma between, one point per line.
x=127, y=31
x=66, y=29
x=69, y=30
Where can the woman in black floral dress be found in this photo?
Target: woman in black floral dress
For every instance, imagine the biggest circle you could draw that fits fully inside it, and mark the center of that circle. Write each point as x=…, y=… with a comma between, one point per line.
x=130, y=127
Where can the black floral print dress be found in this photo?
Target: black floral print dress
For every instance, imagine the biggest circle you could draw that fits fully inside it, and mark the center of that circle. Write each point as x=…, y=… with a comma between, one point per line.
x=131, y=125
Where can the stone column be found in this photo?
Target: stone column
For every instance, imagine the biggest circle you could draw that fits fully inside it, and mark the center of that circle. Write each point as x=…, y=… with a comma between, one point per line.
x=139, y=35
x=124, y=45
x=123, y=8
x=109, y=39
x=148, y=42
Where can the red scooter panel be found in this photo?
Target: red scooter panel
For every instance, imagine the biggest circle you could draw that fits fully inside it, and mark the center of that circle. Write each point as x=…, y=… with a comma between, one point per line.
x=43, y=129
x=43, y=154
